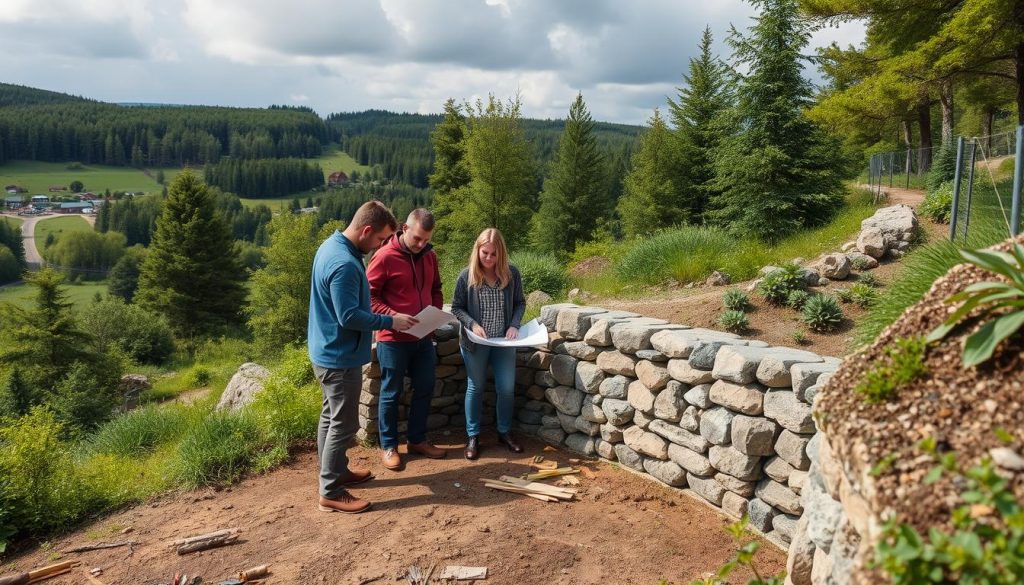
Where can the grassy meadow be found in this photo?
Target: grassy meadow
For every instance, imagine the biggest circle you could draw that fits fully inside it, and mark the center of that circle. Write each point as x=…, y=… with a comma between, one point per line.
x=37, y=177
x=60, y=224
x=12, y=221
x=23, y=295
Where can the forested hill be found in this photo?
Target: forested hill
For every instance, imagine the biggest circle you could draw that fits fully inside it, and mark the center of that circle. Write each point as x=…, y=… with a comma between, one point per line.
x=53, y=127
x=400, y=143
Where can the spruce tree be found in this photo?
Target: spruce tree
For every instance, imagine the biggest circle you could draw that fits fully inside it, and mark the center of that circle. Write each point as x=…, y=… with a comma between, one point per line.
x=697, y=116
x=575, y=198
x=451, y=169
x=191, y=274
x=780, y=173
x=649, y=199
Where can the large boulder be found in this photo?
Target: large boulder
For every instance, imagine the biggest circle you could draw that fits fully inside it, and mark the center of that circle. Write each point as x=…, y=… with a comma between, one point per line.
x=871, y=242
x=244, y=385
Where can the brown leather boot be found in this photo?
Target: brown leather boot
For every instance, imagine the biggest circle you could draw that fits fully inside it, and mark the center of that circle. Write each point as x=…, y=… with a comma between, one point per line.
x=472, y=448
x=510, y=442
x=428, y=450
x=344, y=502
x=355, y=476
x=391, y=459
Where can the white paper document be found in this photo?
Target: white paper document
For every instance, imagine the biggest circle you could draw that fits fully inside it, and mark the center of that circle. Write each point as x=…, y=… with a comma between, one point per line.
x=530, y=334
x=430, y=319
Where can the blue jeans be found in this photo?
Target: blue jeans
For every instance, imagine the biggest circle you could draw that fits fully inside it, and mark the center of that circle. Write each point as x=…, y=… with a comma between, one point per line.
x=397, y=358
x=503, y=361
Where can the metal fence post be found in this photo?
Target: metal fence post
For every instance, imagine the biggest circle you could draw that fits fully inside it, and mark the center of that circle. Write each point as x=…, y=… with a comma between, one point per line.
x=892, y=165
x=955, y=205
x=1018, y=176
x=907, y=166
x=970, y=188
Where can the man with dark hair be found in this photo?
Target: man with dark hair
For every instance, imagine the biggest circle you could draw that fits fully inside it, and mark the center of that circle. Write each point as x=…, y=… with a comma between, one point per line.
x=404, y=278
x=340, y=323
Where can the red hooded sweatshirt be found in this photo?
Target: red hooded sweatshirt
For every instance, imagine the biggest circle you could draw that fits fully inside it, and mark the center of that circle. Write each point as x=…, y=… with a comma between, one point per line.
x=403, y=282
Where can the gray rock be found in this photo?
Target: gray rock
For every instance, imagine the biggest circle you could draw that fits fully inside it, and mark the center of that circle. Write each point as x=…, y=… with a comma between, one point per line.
x=680, y=436
x=804, y=375
x=797, y=481
x=631, y=337
x=645, y=443
x=669, y=404
x=641, y=397
x=775, y=370
x=753, y=435
x=563, y=369
x=653, y=376
x=785, y=525
x=537, y=298
x=813, y=446
x=810, y=276
x=734, y=505
x=706, y=487
x=871, y=242
x=761, y=514
x=792, y=448
x=617, y=363
x=844, y=552
x=589, y=428
x=801, y=555
x=573, y=323
x=629, y=457
x=778, y=469
x=611, y=433
x=736, y=485
x=588, y=377
x=605, y=449
x=683, y=371
x=793, y=414
x=834, y=266
x=1006, y=458
x=550, y=422
x=617, y=412
x=823, y=514
x=641, y=419
x=703, y=356
x=666, y=472
x=567, y=422
x=592, y=412
x=581, y=350
x=246, y=382
x=652, y=355
x=566, y=399
x=700, y=396
x=690, y=419
x=809, y=394
x=600, y=332
x=744, y=398
x=732, y=462
x=553, y=436
x=690, y=460
x=778, y=495
x=718, y=279
x=545, y=380
x=581, y=443
x=549, y=313
x=896, y=222
x=531, y=417
x=716, y=425
x=737, y=363
x=861, y=261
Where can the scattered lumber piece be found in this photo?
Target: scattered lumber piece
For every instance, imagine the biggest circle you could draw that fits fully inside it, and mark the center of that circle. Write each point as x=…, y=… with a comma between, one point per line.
x=551, y=490
x=198, y=545
x=253, y=573
x=101, y=545
x=208, y=535
x=463, y=573
x=518, y=490
x=38, y=575
x=546, y=473
x=545, y=465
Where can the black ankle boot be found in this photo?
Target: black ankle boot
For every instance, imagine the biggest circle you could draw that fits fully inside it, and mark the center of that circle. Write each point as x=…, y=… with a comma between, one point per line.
x=513, y=446
x=472, y=447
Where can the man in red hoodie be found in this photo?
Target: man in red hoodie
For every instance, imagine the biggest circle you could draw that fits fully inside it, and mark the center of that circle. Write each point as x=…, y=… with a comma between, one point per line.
x=404, y=279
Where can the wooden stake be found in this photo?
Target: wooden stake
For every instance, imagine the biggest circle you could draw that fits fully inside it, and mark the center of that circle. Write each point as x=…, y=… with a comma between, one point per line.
x=215, y=534
x=198, y=545
x=101, y=545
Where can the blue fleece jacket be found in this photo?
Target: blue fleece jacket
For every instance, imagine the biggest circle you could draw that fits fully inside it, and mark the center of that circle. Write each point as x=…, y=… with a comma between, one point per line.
x=340, y=320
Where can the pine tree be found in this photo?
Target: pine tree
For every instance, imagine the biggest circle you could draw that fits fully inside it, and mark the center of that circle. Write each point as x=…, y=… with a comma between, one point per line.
x=191, y=274
x=124, y=276
x=649, y=199
x=451, y=169
x=575, y=197
x=780, y=173
x=697, y=116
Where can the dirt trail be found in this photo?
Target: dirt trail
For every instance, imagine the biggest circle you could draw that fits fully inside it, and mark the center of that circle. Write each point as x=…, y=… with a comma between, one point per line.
x=623, y=529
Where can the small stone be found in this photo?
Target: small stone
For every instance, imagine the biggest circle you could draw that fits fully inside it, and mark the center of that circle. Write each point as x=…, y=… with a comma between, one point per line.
x=690, y=460
x=1007, y=458
x=690, y=420
x=669, y=404
x=778, y=495
x=700, y=396
x=563, y=370
x=792, y=448
x=653, y=376
x=718, y=279
x=744, y=398
x=566, y=399
x=614, y=362
x=734, y=505
x=778, y=469
x=735, y=485
x=614, y=387
x=617, y=412
x=753, y=435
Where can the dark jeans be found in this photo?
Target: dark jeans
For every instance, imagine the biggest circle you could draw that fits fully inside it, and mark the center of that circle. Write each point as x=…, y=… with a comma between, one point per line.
x=397, y=359
x=339, y=421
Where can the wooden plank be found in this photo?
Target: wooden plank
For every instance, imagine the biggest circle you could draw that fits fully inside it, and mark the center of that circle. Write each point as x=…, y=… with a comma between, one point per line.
x=518, y=490
x=463, y=573
x=553, y=490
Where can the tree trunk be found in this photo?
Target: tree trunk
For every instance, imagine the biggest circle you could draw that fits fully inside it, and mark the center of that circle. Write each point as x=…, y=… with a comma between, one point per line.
x=988, y=116
x=924, y=128
x=946, y=100
x=908, y=141
x=1018, y=69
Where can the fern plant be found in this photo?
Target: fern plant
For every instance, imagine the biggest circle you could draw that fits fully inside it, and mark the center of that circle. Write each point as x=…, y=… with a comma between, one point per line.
x=1001, y=303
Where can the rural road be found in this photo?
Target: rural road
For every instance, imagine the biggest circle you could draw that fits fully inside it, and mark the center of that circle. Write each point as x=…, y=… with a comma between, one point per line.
x=28, y=229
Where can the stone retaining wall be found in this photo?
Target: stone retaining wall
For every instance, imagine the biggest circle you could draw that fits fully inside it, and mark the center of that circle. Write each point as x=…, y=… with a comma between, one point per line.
x=726, y=418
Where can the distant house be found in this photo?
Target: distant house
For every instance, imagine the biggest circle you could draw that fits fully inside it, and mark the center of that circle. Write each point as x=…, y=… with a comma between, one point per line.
x=337, y=179
x=57, y=188
x=75, y=207
x=308, y=210
x=14, y=189
x=40, y=199
x=87, y=196
x=13, y=202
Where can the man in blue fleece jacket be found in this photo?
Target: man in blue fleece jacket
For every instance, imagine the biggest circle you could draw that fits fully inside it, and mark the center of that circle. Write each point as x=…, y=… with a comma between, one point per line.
x=340, y=332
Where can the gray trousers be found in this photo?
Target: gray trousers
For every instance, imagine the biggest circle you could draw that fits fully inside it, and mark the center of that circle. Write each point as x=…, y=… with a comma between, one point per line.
x=339, y=421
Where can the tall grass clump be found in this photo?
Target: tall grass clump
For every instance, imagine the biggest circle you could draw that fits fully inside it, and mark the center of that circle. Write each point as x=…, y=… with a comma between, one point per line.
x=544, y=272
x=686, y=253
x=219, y=449
x=288, y=407
x=140, y=431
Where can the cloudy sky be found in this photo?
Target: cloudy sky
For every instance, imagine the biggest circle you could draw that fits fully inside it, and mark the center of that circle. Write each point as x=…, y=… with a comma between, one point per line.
x=350, y=55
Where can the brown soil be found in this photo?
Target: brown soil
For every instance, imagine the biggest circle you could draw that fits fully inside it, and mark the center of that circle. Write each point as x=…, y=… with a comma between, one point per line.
x=590, y=266
x=961, y=408
x=623, y=528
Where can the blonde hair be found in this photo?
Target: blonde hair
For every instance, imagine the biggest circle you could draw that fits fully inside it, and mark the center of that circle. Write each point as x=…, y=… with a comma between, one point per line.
x=476, y=271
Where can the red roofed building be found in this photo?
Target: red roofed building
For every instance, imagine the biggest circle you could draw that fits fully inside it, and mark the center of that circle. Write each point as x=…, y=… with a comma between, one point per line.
x=337, y=179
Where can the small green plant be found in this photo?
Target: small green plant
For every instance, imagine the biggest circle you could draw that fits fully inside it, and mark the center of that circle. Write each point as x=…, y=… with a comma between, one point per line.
x=797, y=299
x=863, y=295
x=860, y=263
x=776, y=285
x=843, y=295
x=198, y=376
x=985, y=545
x=869, y=280
x=744, y=557
x=938, y=203
x=822, y=313
x=800, y=338
x=905, y=363
x=735, y=300
x=989, y=297
x=735, y=321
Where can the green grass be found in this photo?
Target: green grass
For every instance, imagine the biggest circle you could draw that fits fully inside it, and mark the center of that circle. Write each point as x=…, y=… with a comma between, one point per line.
x=58, y=225
x=23, y=295
x=38, y=176
x=14, y=221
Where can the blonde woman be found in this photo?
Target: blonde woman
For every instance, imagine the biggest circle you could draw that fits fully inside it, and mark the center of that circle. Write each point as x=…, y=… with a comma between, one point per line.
x=489, y=302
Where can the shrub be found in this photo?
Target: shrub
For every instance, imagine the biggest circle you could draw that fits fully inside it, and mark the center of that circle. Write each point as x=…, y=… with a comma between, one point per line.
x=869, y=280
x=88, y=394
x=800, y=338
x=685, y=253
x=10, y=268
x=844, y=295
x=541, y=272
x=905, y=362
x=860, y=263
x=797, y=299
x=86, y=254
x=938, y=203
x=943, y=166
x=776, y=285
x=139, y=431
x=219, y=449
x=735, y=321
x=289, y=405
x=735, y=300
x=822, y=313
x=143, y=336
x=863, y=295
x=198, y=376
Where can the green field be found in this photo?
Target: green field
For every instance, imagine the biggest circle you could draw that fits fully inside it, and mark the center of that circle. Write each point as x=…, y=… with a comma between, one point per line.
x=15, y=221
x=59, y=225
x=37, y=177
x=23, y=295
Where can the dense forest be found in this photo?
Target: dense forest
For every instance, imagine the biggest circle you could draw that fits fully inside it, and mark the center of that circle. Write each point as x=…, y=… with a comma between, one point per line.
x=265, y=177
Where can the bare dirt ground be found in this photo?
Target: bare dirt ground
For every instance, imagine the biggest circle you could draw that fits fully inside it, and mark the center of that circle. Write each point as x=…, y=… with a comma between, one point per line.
x=623, y=528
